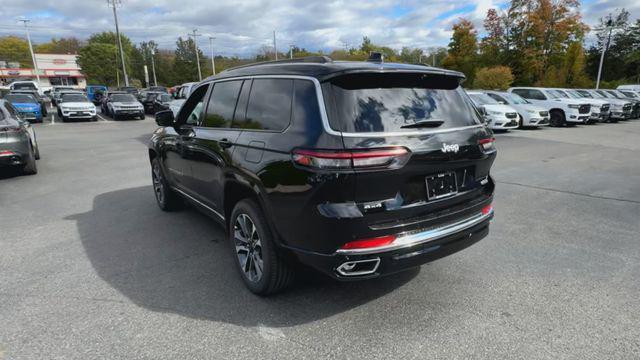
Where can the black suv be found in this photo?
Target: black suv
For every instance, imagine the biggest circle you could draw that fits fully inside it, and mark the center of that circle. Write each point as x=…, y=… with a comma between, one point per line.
x=358, y=169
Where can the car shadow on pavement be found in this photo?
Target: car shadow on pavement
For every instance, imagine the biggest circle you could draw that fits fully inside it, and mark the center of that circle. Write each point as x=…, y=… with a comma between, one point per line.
x=180, y=263
x=10, y=172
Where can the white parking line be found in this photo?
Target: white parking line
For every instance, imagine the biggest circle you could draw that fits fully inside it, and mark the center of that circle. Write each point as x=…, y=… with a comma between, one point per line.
x=103, y=119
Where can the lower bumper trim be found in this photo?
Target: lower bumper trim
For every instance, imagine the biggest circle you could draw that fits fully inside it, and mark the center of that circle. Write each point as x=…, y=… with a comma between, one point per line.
x=410, y=239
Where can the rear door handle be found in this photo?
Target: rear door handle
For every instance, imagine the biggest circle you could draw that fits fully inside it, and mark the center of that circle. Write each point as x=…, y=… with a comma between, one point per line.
x=225, y=143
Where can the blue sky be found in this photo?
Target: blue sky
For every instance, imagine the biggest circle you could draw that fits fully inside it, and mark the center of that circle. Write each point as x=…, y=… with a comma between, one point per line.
x=243, y=27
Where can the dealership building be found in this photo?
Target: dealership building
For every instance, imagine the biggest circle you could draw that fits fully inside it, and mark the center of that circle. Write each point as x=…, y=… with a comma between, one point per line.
x=54, y=69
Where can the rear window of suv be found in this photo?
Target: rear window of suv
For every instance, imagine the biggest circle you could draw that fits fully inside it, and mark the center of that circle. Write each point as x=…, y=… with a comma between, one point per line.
x=364, y=103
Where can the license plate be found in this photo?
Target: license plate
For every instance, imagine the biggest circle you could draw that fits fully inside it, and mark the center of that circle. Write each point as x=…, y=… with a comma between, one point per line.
x=441, y=185
x=77, y=113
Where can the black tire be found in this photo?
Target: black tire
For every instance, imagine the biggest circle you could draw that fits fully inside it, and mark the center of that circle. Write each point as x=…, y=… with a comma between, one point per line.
x=276, y=274
x=520, y=122
x=556, y=118
x=30, y=168
x=114, y=116
x=167, y=199
x=37, y=154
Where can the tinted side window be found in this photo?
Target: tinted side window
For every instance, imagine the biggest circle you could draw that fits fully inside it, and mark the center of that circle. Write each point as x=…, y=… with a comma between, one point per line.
x=193, y=107
x=269, y=105
x=306, y=111
x=522, y=92
x=222, y=104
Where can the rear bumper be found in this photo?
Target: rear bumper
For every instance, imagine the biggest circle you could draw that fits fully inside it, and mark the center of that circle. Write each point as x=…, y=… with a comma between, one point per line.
x=12, y=158
x=412, y=250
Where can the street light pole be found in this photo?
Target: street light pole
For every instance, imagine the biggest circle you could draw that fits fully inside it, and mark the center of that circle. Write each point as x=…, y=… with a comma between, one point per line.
x=605, y=46
x=195, y=45
x=153, y=68
x=291, y=51
x=275, y=47
x=114, y=4
x=213, y=62
x=33, y=56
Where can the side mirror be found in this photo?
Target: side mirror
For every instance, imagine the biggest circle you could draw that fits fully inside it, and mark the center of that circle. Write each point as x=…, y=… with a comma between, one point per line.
x=164, y=118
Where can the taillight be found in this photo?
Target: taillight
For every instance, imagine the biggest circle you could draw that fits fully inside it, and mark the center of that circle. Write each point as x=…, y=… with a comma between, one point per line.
x=6, y=153
x=388, y=158
x=369, y=243
x=487, y=145
x=487, y=209
x=10, y=129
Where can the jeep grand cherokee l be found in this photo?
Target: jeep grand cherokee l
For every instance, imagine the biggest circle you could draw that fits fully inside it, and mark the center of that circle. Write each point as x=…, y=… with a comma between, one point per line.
x=357, y=169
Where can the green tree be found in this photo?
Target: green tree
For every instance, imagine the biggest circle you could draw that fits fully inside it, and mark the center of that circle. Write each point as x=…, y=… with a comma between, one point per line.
x=184, y=67
x=69, y=45
x=463, y=49
x=15, y=49
x=98, y=63
x=492, y=46
x=493, y=78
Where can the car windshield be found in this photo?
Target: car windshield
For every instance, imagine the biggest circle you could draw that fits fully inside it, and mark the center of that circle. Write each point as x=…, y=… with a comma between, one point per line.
x=514, y=98
x=616, y=94
x=165, y=98
x=74, y=98
x=629, y=94
x=20, y=98
x=572, y=94
x=605, y=94
x=391, y=102
x=483, y=99
x=24, y=86
x=558, y=94
x=123, y=98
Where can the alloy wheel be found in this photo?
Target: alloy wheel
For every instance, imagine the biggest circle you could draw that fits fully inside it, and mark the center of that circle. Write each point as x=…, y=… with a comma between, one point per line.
x=158, y=186
x=248, y=247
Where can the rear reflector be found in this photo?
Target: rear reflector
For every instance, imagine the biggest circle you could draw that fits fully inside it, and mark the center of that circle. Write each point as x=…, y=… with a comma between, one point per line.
x=487, y=144
x=394, y=157
x=487, y=209
x=369, y=243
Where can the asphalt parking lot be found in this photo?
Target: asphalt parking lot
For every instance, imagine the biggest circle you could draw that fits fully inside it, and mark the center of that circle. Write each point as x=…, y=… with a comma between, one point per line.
x=90, y=268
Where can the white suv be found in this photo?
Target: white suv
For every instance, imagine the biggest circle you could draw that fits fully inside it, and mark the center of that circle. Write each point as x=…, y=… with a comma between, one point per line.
x=599, y=107
x=562, y=111
x=530, y=115
x=499, y=116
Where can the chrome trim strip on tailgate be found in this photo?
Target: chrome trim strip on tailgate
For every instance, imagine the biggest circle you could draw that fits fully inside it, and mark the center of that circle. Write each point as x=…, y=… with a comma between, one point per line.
x=416, y=238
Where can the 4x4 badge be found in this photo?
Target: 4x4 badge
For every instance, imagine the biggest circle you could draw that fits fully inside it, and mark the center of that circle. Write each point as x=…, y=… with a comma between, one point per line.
x=450, y=148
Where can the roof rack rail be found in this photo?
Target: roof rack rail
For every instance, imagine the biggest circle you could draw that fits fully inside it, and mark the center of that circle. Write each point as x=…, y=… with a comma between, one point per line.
x=307, y=59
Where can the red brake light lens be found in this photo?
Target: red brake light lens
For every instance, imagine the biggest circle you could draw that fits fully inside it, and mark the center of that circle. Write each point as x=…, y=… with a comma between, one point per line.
x=389, y=158
x=486, y=210
x=6, y=152
x=487, y=144
x=369, y=243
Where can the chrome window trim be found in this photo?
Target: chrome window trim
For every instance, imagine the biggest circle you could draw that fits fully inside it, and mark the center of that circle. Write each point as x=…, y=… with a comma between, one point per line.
x=325, y=118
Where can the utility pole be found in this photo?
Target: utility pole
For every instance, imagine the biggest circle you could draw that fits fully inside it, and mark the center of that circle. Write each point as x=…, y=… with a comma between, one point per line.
x=195, y=45
x=275, y=47
x=153, y=67
x=213, y=62
x=114, y=4
x=605, y=46
x=291, y=51
x=33, y=56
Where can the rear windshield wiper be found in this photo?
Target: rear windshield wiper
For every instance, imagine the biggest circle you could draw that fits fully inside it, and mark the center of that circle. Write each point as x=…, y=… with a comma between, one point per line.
x=423, y=123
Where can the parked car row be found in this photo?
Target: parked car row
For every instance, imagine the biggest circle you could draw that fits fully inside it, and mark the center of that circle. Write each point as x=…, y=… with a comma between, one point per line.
x=535, y=106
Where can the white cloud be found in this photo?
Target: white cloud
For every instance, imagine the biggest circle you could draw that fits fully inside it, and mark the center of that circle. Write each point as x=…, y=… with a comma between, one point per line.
x=241, y=27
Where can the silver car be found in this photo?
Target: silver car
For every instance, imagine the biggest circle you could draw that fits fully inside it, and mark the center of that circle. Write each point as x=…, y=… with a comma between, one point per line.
x=18, y=145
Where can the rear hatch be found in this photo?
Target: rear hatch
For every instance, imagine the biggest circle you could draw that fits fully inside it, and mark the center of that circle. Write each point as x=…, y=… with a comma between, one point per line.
x=430, y=116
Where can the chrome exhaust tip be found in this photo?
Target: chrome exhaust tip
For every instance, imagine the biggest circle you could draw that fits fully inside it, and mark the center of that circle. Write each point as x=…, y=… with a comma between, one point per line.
x=358, y=267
